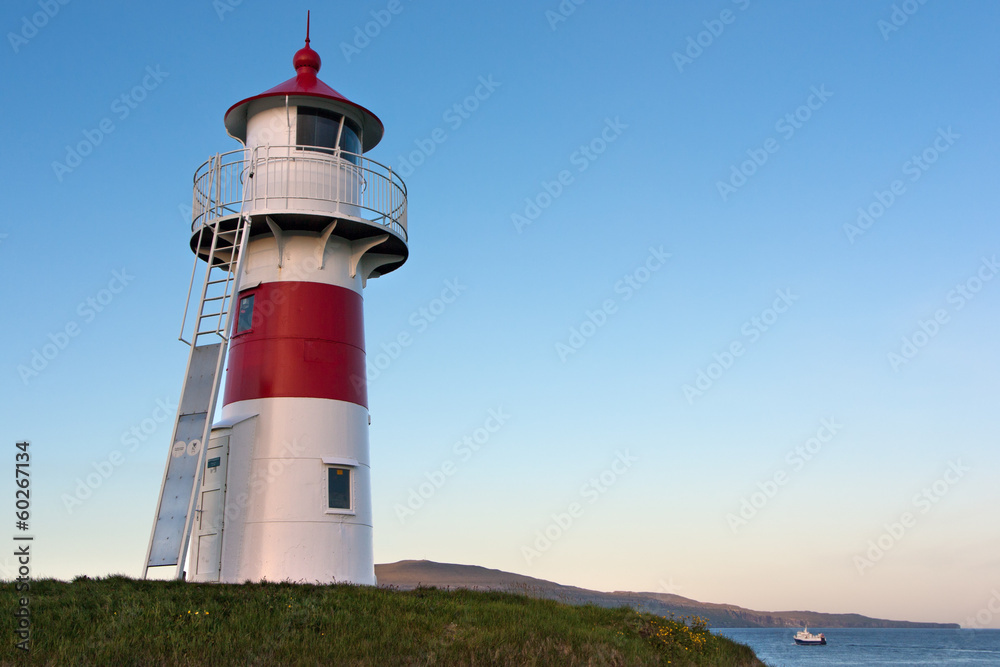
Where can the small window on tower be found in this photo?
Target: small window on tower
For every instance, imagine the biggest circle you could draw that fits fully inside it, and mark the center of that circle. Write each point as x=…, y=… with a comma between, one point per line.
x=246, y=314
x=339, y=488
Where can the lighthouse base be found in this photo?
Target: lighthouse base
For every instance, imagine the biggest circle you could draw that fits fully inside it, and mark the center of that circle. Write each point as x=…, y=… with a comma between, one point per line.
x=281, y=553
x=286, y=495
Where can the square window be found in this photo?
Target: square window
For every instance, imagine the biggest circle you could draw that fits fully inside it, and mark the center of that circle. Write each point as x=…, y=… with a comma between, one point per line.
x=246, y=314
x=339, y=488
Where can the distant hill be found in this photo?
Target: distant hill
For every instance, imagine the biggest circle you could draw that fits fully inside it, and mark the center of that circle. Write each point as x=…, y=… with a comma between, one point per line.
x=408, y=574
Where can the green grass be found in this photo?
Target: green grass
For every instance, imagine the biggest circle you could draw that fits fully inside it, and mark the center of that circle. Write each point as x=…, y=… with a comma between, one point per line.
x=122, y=621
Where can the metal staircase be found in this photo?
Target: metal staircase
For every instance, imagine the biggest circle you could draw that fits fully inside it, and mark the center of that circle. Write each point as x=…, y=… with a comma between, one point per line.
x=208, y=340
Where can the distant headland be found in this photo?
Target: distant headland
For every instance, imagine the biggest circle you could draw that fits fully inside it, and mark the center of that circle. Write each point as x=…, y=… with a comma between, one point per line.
x=409, y=574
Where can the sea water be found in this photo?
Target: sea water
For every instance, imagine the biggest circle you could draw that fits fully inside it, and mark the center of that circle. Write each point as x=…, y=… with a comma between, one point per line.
x=872, y=646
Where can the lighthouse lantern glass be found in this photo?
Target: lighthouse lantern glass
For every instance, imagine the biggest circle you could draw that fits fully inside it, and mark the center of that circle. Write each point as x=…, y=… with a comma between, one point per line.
x=326, y=129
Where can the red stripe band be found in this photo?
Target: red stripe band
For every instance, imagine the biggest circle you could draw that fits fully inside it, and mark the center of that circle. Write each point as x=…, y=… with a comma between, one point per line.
x=304, y=340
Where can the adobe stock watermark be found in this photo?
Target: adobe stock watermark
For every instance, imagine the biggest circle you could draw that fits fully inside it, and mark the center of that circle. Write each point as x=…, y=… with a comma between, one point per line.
x=463, y=450
x=928, y=329
x=562, y=12
x=582, y=158
x=626, y=286
x=985, y=616
x=420, y=320
x=786, y=126
x=260, y=479
x=592, y=491
x=663, y=587
x=364, y=34
x=752, y=331
x=122, y=107
x=714, y=28
x=669, y=587
x=454, y=116
x=922, y=502
x=223, y=7
x=915, y=167
x=87, y=310
x=131, y=439
x=796, y=460
x=30, y=25
x=898, y=17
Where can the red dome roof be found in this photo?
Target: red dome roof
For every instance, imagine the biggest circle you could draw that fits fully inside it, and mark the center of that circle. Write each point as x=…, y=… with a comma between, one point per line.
x=306, y=57
x=305, y=83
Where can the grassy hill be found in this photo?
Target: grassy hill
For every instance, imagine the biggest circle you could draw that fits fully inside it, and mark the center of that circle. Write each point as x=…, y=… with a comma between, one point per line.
x=121, y=621
x=410, y=573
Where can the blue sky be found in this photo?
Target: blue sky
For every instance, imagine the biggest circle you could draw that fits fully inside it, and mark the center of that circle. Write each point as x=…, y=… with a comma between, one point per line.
x=807, y=111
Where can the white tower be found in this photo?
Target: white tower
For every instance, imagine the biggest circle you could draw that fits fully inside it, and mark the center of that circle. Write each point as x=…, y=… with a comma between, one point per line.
x=291, y=226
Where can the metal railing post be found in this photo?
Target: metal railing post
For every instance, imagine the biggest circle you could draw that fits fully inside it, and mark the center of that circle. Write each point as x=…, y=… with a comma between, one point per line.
x=216, y=182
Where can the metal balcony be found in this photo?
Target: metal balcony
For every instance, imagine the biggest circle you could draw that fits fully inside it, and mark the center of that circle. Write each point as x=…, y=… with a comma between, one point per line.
x=305, y=181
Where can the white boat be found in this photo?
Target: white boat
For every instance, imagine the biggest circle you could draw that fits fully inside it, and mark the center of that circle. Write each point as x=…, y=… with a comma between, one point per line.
x=806, y=638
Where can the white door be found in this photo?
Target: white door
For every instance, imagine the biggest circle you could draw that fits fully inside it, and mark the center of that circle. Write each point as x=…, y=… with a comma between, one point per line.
x=207, y=556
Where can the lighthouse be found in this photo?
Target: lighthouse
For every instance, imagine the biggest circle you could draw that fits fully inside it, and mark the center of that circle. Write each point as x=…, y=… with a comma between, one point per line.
x=286, y=232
